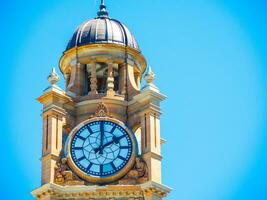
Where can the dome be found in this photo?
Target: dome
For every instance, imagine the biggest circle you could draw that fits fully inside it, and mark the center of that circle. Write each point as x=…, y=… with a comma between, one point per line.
x=102, y=30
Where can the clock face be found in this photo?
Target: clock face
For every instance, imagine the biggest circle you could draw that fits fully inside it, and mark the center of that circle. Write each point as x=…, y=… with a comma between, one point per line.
x=101, y=148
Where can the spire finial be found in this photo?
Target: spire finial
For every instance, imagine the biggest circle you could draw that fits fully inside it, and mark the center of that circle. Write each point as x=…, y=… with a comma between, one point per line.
x=102, y=13
x=149, y=76
x=53, y=78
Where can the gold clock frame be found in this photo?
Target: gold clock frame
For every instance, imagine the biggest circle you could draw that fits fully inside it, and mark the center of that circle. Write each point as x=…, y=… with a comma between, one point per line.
x=114, y=177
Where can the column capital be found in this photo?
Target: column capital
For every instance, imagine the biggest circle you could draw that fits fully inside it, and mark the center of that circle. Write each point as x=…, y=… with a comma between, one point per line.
x=79, y=65
x=54, y=96
x=92, y=62
x=54, y=111
x=110, y=62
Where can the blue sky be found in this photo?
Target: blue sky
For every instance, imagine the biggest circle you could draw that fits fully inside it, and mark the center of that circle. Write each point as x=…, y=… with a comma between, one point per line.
x=210, y=60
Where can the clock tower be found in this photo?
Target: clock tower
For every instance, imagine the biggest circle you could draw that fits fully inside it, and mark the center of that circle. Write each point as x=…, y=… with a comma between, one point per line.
x=101, y=134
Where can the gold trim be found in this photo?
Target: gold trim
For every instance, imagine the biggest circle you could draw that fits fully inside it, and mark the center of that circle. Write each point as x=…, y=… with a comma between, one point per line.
x=110, y=179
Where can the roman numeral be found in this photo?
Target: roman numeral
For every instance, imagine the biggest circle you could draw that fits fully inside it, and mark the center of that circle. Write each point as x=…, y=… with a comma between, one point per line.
x=113, y=129
x=78, y=148
x=117, y=139
x=113, y=166
x=122, y=158
x=80, y=137
x=82, y=158
x=89, y=167
x=124, y=147
x=101, y=169
x=102, y=127
x=90, y=130
x=122, y=136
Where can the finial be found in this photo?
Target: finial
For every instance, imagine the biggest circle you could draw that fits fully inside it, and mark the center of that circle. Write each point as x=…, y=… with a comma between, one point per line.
x=149, y=76
x=53, y=78
x=102, y=13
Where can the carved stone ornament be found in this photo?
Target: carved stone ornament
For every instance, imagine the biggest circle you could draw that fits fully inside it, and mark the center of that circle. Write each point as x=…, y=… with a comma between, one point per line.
x=64, y=176
x=53, y=77
x=101, y=111
x=137, y=175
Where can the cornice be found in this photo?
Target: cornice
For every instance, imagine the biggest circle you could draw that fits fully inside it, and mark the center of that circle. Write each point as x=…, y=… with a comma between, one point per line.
x=54, y=92
x=95, y=192
x=101, y=52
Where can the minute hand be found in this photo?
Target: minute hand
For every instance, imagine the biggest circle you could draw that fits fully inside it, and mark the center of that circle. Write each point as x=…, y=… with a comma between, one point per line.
x=101, y=137
x=115, y=140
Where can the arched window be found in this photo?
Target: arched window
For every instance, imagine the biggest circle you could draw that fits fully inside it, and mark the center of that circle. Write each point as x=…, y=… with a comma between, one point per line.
x=138, y=135
x=116, y=76
x=99, y=71
x=101, y=75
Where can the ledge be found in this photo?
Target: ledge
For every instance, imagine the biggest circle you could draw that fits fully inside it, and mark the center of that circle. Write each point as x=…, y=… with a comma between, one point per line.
x=109, y=191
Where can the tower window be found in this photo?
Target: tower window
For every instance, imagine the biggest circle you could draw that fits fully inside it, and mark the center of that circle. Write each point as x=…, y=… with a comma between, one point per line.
x=102, y=75
x=116, y=78
x=138, y=135
x=87, y=81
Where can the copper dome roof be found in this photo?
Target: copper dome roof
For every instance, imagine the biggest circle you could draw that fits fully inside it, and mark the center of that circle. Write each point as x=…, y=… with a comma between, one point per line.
x=102, y=30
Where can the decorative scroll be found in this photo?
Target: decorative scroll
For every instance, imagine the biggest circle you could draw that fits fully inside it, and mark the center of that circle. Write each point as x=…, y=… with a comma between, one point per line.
x=137, y=175
x=102, y=111
x=63, y=175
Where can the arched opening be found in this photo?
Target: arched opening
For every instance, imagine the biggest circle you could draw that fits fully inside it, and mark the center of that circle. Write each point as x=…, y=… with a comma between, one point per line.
x=138, y=135
x=101, y=76
x=137, y=78
x=116, y=76
x=87, y=82
x=97, y=77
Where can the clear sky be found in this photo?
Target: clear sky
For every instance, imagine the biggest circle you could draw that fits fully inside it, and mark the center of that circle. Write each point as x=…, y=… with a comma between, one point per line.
x=210, y=60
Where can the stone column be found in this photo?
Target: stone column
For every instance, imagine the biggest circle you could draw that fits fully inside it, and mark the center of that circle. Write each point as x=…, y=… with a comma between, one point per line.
x=79, y=82
x=53, y=121
x=110, y=80
x=138, y=80
x=76, y=84
x=93, y=80
x=122, y=79
x=151, y=144
x=67, y=79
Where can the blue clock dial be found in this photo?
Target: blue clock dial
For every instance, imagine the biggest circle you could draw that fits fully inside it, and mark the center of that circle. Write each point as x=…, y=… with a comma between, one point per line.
x=101, y=148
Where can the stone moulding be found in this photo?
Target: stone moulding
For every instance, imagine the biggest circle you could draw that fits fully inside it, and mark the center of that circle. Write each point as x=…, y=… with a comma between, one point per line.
x=99, y=192
x=85, y=54
x=87, y=192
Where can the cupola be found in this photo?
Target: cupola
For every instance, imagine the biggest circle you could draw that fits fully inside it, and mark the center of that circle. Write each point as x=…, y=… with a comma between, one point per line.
x=102, y=30
x=102, y=59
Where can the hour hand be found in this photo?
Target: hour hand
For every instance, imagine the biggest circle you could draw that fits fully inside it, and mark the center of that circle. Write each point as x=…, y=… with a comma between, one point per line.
x=100, y=148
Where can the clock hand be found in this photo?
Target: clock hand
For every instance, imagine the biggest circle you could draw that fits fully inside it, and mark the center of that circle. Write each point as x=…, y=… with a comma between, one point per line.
x=99, y=149
x=101, y=137
x=115, y=140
